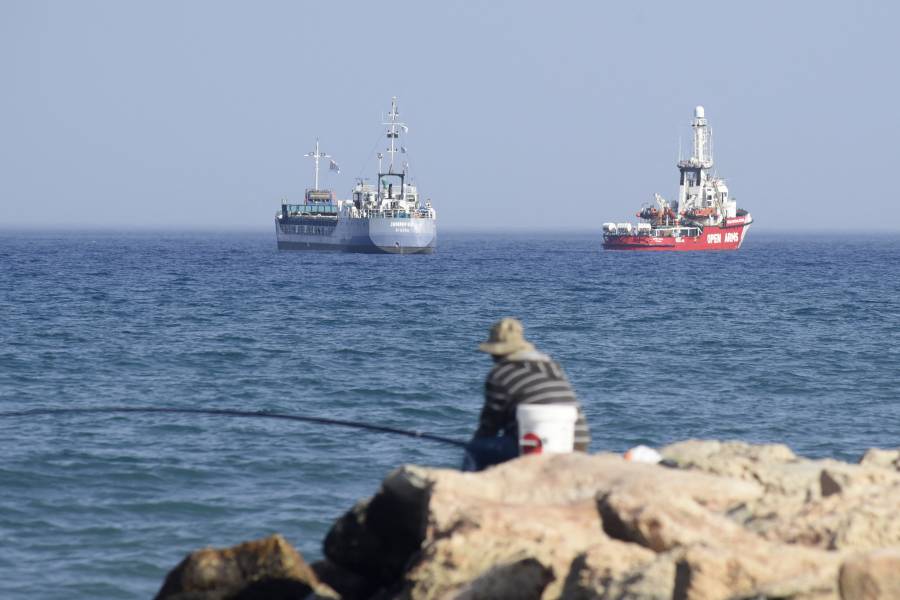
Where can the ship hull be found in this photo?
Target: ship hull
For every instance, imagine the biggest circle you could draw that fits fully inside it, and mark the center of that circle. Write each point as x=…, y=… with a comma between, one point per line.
x=369, y=235
x=729, y=236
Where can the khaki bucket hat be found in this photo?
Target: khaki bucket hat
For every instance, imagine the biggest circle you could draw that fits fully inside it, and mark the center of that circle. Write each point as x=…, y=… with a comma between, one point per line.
x=507, y=336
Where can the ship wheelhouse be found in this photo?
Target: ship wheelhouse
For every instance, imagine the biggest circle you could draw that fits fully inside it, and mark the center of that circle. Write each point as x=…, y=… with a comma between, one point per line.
x=319, y=197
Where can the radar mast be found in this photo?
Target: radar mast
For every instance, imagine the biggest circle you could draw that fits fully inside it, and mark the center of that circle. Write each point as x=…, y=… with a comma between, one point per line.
x=387, y=179
x=316, y=156
x=393, y=133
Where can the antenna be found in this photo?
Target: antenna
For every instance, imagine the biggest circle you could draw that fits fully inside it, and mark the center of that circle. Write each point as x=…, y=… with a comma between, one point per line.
x=393, y=132
x=316, y=156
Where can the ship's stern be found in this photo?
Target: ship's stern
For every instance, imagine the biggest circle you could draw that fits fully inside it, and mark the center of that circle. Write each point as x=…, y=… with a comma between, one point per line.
x=403, y=235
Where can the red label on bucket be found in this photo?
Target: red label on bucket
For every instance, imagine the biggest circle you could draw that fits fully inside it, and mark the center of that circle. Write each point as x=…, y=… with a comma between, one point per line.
x=531, y=444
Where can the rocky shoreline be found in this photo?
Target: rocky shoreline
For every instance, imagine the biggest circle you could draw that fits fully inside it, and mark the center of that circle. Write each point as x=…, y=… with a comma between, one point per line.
x=723, y=520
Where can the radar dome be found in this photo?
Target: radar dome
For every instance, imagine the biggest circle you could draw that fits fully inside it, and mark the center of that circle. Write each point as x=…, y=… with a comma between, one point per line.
x=699, y=113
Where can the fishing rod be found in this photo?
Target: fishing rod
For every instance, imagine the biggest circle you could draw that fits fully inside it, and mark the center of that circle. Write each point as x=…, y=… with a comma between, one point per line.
x=227, y=412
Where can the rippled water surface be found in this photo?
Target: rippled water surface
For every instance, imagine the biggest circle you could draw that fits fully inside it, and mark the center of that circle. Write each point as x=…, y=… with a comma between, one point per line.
x=792, y=339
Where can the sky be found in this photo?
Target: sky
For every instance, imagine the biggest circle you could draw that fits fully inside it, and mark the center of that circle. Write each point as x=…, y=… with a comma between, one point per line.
x=522, y=115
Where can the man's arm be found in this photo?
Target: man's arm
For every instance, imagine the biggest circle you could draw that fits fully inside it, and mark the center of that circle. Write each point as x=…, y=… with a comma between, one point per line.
x=493, y=413
x=582, y=433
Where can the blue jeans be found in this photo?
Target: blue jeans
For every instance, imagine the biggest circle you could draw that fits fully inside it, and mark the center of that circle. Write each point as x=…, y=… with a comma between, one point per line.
x=483, y=452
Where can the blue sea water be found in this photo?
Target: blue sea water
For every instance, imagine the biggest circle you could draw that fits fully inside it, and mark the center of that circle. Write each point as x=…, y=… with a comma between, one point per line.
x=792, y=339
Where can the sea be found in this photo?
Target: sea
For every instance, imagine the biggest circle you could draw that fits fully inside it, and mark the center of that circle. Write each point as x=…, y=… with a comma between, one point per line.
x=794, y=339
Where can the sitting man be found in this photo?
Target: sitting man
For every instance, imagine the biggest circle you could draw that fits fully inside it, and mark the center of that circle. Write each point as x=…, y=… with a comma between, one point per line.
x=521, y=375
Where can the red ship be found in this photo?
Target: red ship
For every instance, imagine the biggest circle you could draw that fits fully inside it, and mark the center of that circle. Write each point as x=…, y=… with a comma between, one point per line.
x=703, y=218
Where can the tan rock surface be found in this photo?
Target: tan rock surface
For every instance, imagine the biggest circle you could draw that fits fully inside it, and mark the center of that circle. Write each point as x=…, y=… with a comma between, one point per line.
x=772, y=466
x=590, y=578
x=872, y=576
x=567, y=478
x=720, y=558
x=713, y=571
x=269, y=567
x=482, y=537
x=537, y=508
x=822, y=503
x=731, y=521
x=860, y=521
x=889, y=459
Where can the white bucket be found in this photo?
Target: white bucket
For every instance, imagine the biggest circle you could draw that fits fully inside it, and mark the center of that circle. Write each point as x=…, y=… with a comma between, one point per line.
x=546, y=428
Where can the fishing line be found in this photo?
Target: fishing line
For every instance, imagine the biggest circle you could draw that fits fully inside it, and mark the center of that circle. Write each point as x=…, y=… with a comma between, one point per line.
x=227, y=412
x=368, y=156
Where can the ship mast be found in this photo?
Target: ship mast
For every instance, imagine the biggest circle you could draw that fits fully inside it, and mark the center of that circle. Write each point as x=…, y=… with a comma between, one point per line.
x=394, y=127
x=694, y=169
x=702, y=139
x=316, y=156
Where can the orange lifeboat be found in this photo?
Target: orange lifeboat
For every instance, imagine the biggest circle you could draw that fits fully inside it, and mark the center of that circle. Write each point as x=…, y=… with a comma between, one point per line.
x=700, y=213
x=655, y=215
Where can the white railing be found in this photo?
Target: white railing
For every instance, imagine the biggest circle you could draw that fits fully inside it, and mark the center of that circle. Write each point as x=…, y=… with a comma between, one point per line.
x=396, y=213
x=614, y=229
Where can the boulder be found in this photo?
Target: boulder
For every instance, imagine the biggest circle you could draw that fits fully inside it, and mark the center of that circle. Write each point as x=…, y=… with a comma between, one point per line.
x=591, y=578
x=463, y=555
x=346, y=583
x=663, y=523
x=872, y=576
x=889, y=459
x=772, y=466
x=377, y=537
x=269, y=569
x=822, y=503
x=719, y=558
x=730, y=521
x=536, y=510
x=524, y=579
x=713, y=572
x=851, y=480
x=856, y=522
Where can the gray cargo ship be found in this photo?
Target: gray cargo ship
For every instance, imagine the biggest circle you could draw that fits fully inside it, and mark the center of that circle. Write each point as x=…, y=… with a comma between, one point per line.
x=387, y=217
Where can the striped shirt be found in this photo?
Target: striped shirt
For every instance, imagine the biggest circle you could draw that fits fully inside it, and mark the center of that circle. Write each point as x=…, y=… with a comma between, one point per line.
x=527, y=378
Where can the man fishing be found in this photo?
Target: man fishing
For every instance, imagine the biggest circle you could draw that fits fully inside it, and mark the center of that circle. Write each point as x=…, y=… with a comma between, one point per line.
x=521, y=375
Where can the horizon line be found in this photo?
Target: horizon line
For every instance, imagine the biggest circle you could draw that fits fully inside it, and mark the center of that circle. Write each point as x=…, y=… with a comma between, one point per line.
x=106, y=229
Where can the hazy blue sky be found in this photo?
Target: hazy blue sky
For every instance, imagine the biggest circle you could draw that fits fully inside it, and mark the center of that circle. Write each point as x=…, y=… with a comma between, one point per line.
x=552, y=115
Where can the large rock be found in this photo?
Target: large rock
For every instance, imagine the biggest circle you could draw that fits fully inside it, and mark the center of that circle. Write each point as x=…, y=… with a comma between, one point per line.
x=348, y=584
x=537, y=514
x=592, y=578
x=872, y=576
x=823, y=503
x=729, y=521
x=268, y=569
x=772, y=466
x=379, y=536
x=465, y=553
x=712, y=572
x=864, y=519
x=889, y=459
x=719, y=558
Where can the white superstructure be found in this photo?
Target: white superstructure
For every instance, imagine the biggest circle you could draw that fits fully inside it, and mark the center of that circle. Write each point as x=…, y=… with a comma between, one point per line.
x=702, y=196
x=394, y=194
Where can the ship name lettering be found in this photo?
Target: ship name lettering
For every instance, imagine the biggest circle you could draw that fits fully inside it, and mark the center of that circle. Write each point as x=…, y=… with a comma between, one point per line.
x=731, y=236
x=714, y=238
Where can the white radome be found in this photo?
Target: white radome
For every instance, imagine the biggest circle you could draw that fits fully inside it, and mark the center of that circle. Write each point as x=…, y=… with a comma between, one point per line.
x=699, y=113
